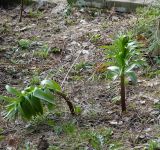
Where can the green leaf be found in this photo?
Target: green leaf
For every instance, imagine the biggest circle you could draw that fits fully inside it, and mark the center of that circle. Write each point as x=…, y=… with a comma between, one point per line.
x=132, y=45
x=132, y=76
x=115, y=76
x=13, y=91
x=27, y=109
x=10, y=114
x=78, y=110
x=71, y=2
x=105, y=46
x=12, y=110
x=36, y=104
x=51, y=106
x=125, y=40
x=140, y=62
x=8, y=99
x=51, y=85
x=30, y=89
x=130, y=68
x=44, y=96
x=114, y=69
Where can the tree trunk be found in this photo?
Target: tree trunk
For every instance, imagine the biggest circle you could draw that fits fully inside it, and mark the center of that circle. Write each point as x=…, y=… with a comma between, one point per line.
x=123, y=99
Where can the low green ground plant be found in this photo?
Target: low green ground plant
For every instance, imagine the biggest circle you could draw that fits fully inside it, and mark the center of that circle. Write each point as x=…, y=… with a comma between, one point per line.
x=43, y=52
x=79, y=138
x=82, y=66
x=35, y=80
x=95, y=38
x=153, y=145
x=147, y=28
x=24, y=43
x=35, y=14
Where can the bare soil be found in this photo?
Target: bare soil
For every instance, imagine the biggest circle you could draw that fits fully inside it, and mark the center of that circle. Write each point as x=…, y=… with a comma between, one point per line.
x=75, y=36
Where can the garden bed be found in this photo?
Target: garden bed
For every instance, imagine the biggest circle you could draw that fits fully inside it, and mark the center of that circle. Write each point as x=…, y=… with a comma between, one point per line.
x=77, y=36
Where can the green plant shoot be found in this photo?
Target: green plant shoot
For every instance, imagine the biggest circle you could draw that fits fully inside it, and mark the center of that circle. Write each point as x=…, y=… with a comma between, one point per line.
x=30, y=102
x=124, y=57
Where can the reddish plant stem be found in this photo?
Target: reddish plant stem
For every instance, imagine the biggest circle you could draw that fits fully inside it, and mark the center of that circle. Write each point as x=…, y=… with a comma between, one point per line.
x=69, y=103
x=123, y=99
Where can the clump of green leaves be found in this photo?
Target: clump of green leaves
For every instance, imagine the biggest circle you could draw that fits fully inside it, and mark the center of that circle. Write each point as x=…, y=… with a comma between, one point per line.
x=76, y=138
x=69, y=128
x=35, y=14
x=43, y=52
x=71, y=2
x=82, y=66
x=146, y=21
x=148, y=25
x=157, y=105
x=95, y=38
x=55, y=50
x=154, y=40
x=1, y=136
x=35, y=80
x=30, y=102
x=79, y=3
x=153, y=145
x=98, y=139
x=24, y=43
x=124, y=57
x=69, y=22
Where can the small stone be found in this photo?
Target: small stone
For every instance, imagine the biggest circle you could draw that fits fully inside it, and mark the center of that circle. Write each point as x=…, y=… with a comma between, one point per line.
x=156, y=101
x=126, y=119
x=85, y=52
x=27, y=27
x=113, y=122
x=115, y=18
x=68, y=58
x=147, y=129
x=83, y=22
x=82, y=10
x=73, y=43
x=76, y=99
x=142, y=102
x=120, y=122
x=85, y=44
x=109, y=112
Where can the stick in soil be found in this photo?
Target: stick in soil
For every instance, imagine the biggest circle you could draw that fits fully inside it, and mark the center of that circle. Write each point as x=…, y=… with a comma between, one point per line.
x=21, y=11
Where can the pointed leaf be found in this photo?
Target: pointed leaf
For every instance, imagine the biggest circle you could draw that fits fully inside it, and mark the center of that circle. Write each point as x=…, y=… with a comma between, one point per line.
x=27, y=109
x=114, y=69
x=36, y=104
x=132, y=76
x=13, y=91
x=8, y=99
x=115, y=77
x=30, y=89
x=51, y=106
x=44, y=96
x=130, y=68
x=12, y=111
x=51, y=85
